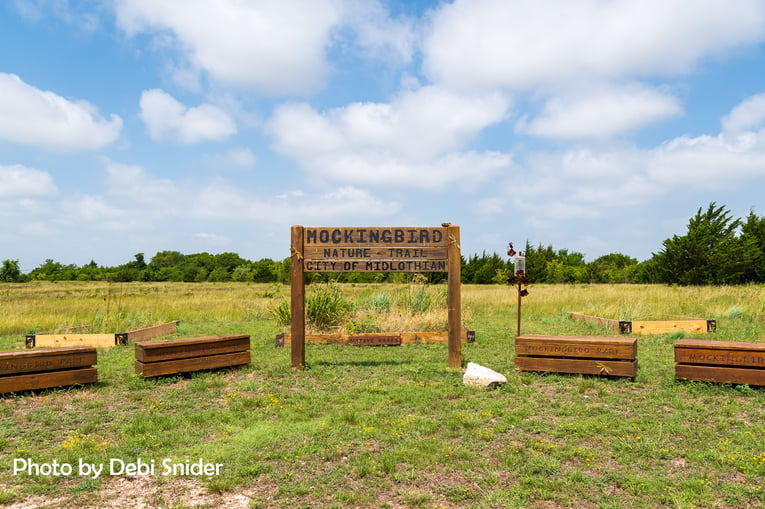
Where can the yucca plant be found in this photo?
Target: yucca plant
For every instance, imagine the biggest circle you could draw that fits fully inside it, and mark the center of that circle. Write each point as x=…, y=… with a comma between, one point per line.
x=326, y=308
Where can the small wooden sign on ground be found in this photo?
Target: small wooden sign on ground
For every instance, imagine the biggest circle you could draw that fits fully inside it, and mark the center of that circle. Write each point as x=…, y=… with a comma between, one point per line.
x=378, y=338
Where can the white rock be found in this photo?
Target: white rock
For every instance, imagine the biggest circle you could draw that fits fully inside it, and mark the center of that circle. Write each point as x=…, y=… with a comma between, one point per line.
x=479, y=376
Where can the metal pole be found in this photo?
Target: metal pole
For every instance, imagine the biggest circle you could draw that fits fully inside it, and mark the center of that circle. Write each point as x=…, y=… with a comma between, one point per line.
x=519, y=309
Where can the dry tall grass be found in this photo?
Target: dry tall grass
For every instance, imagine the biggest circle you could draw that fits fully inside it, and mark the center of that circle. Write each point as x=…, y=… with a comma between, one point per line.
x=42, y=307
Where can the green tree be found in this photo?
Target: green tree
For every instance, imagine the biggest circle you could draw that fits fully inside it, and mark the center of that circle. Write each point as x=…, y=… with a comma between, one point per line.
x=612, y=268
x=10, y=272
x=488, y=270
x=709, y=253
x=753, y=248
x=265, y=271
x=90, y=272
x=54, y=271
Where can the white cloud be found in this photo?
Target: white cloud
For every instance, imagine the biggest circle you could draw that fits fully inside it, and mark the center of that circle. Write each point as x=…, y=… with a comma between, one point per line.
x=600, y=112
x=36, y=10
x=139, y=199
x=466, y=169
x=592, y=183
x=377, y=34
x=38, y=118
x=277, y=47
x=167, y=118
x=490, y=206
x=520, y=44
x=218, y=241
x=414, y=140
x=236, y=157
x=17, y=182
x=345, y=204
x=750, y=114
x=709, y=162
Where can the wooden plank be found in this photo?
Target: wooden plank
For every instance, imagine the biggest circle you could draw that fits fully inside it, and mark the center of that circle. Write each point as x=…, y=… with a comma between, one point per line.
x=720, y=353
x=374, y=340
x=578, y=366
x=596, y=320
x=164, y=329
x=170, y=367
x=648, y=326
x=169, y=349
x=64, y=340
x=376, y=237
x=405, y=338
x=375, y=253
x=297, y=298
x=416, y=265
x=454, y=297
x=47, y=380
x=47, y=359
x=667, y=326
x=576, y=346
x=720, y=374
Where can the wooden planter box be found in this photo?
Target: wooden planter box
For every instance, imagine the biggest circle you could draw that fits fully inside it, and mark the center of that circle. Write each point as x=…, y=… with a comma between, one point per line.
x=46, y=368
x=100, y=340
x=692, y=325
x=720, y=361
x=577, y=355
x=172, y=356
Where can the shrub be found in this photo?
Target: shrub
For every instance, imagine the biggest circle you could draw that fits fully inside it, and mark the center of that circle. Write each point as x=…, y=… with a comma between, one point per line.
x=326, y=308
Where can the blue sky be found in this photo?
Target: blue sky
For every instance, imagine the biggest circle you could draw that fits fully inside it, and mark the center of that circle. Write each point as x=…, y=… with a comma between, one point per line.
x=132, y=126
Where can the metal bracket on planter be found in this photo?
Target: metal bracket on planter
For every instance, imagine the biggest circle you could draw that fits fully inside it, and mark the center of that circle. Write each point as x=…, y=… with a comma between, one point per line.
x=280, y=340
x=121, y=338
x=470, y=336
x=712, y=325
x=30, y=340
x=625, y=327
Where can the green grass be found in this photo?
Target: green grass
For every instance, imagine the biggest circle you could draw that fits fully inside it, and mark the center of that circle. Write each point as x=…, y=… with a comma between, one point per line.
x=392, y=426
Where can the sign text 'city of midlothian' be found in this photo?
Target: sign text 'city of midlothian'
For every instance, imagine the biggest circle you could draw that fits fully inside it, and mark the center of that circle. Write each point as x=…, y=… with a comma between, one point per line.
x=375, y=249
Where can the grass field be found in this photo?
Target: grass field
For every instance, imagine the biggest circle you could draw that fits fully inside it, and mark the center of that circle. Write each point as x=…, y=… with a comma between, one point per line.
x=385, y=426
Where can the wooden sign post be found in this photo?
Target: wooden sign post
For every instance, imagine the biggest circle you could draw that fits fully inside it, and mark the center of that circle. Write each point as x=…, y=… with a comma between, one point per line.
x=387, y=249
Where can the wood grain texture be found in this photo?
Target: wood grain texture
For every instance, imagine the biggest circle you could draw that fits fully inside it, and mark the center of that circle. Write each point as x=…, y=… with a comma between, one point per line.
x=297, y=298
x=47, y=380
x=169, y=349
x=586, y=355
x=720, y=361
x=576, y=347
x=454, y=297
x=172, y=356
x=720, y=374
x=577, y=366
x=404, y=338
x=164, y=329
x=47, y=359
x=667, y=326
x=64, y=340
x=172, y=367
x=607, y=323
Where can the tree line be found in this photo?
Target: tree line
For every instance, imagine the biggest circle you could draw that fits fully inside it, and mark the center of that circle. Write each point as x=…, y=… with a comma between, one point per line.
x=716, y=249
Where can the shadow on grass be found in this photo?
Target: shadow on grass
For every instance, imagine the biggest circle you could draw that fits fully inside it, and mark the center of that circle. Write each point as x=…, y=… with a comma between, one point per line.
x=360, y=363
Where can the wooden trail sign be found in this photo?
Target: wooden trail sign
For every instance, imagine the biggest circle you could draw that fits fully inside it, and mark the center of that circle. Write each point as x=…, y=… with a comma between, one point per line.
x=375, y=249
